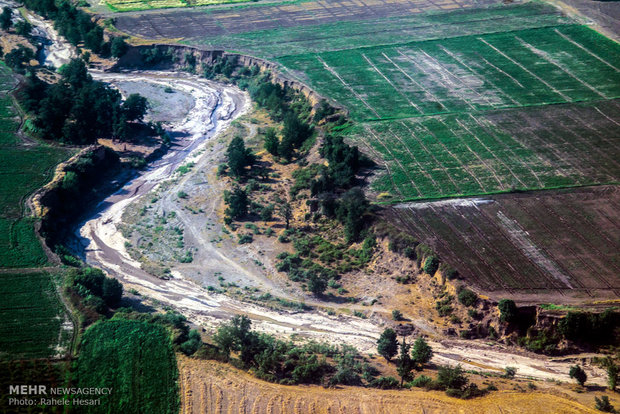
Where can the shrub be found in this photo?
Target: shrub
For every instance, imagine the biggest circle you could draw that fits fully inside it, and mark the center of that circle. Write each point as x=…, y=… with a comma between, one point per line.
x=603, y=404
x=384, y=383
x=451, y=378
x=468, y=297
x=578, y=374
x=431, y=264
x=508, y=310
x=397, y=315
x=421, y=382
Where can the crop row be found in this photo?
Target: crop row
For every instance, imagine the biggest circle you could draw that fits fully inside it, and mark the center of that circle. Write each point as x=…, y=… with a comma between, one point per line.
x=30, y=315
x=462, y=154
x=566, y=63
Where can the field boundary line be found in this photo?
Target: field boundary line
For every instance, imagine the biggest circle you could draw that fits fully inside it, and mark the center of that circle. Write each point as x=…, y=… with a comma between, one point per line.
x=346, y=85
x=569, y=39
x=544, y=56
x=472, y=70
x=491, y=132
x=391, y=84
x=566, y=98
x=602, y=113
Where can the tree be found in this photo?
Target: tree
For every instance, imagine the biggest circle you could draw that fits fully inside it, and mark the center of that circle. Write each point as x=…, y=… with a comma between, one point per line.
x=23, y=28
x=16, y=58
x=421, y=353
x=612, y=375
x=271, y=142
x=192, y=344
x=387, y=345
x=603, y=404
x=112, y=291
x=397, y=315
x=316, y=284
x=468, y=297
x=6, y=18
x=451, y=378
x=508, y=310
x=266, y=213
x=351, y=211
x=231, y=336
x=237, y=203
x=404, y=364
x=135, y=107
x=118, y=47
x=295, y=131
x=431, y=264
x=239, y=156
x=578, y=374
x=286, y=212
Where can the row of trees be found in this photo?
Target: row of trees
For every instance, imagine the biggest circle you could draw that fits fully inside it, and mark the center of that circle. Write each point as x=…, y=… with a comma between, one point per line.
x=78, y=109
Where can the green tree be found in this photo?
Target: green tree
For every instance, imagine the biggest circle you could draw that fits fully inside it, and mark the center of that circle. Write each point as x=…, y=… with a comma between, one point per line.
x=451, y=378
x=112, y=291
x=271, y=142
x=508, y=310
x=578, y=374
x=397, y=315
x=23, y=28
x=286, y=212
x=431, y=264
x=6, y=18
x=239, y=157
x=467, y=297
x=231, y=336
x=421, y=353
x=351, y=212
x=612, y=375
x=266, y=213
x=17, y=57
x=192, y=344
x=135, y=107
x=387, y=345
x=603, y=404
x=404, y=364
x=118, y=47
x=316, y=284
x=237, y=201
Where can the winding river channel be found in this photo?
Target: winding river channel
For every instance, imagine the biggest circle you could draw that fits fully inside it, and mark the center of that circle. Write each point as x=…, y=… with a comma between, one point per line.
x=201, y=110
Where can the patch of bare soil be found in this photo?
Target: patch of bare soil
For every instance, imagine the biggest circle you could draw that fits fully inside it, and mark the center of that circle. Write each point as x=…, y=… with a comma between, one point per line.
x=212, y=387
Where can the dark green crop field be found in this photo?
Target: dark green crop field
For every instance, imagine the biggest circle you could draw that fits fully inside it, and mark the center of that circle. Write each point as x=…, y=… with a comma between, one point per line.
x=136, y=360
x=31, y=317
x=24, y=167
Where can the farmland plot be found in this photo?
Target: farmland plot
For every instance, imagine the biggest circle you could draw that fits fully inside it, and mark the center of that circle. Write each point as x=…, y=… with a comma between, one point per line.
x=23, y=169
x=537, y=243
x=567, y=63
x=467, y=154
x=33, y=323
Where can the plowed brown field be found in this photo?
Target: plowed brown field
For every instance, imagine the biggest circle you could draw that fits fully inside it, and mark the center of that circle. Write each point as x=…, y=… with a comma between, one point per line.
x=212, y=387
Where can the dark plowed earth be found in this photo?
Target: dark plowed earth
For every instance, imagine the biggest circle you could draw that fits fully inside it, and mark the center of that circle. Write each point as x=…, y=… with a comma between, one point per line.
x=534, y=246
x=198, y=23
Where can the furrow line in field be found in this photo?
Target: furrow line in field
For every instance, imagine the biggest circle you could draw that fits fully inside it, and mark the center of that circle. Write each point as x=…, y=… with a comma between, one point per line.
x=395, y=159
x=432, y=95
x=500, y=70
x=391, y=84
x=578, y=138
x=566, y=98
x=546, y=57
x=472, y=70
x=380, y=158
x=491, y=133
x=462, y=124
x=346, y=85
x=601, y=135
x=457, y=79
x=568, y=38
x=608, y=118
x=461, y=163
x=434, y=158
x=565, y=246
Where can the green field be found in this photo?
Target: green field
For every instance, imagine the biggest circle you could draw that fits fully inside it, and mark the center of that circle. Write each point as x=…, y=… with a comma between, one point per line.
x=440, y=156
x=467, y=74
x=136, y=360
x=31, y=316
x=299, y=40
x=24, y=167
x=138, y=5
